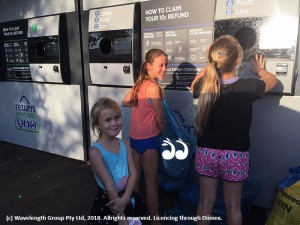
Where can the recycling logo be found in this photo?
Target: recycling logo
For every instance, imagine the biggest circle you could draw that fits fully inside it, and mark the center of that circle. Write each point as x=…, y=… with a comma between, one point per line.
x=34, y=27
x=26, y=116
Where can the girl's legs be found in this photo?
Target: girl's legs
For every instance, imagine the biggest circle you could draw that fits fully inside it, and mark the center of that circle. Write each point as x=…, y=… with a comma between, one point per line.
x=232, y=199
x=137, y=159
x=150, y=162
x=208, y=193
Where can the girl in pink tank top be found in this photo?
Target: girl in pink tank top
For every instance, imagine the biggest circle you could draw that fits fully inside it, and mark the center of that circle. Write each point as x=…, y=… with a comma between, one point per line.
x=147, y=121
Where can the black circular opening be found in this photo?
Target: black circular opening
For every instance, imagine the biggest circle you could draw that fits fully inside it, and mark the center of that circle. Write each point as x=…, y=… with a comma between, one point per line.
x=246, y=36
x=105, y=46
x=40, y=49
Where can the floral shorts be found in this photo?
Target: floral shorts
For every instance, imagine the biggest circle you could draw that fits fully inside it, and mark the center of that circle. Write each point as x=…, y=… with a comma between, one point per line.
x=228, y=164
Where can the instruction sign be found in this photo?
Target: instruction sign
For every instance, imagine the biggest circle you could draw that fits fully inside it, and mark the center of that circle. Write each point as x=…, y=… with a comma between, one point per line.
x=183, y=30
x=15, y=51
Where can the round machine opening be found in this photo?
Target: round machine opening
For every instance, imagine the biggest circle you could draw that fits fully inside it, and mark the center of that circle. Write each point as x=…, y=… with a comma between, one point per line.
x=105, y=46
x=40, y=49
x=246, y=36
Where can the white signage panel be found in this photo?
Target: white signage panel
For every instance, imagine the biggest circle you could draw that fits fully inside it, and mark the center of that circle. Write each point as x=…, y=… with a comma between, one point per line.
x=37, y=116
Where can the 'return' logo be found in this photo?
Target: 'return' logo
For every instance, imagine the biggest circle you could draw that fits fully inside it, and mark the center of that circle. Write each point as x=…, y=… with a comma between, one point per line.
x=26, y=116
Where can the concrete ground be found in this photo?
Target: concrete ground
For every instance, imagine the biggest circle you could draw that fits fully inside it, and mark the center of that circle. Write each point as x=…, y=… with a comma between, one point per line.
x=50, y=188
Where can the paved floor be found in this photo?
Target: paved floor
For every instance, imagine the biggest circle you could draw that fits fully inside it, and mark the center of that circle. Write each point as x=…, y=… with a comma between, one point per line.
x=41, y=184
x=46, y=187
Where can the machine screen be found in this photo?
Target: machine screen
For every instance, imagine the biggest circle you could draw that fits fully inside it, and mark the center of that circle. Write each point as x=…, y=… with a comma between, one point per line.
x=279, y=33
x=43, y=49
x=52, y=49
x=122, y=46
x=110, y=46
x=274, y=37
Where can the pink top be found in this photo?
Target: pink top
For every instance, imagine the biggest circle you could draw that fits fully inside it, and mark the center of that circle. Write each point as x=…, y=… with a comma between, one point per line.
x=143, y=119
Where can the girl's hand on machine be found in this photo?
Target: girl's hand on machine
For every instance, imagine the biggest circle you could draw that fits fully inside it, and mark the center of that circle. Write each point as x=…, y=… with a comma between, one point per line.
x=258, y=63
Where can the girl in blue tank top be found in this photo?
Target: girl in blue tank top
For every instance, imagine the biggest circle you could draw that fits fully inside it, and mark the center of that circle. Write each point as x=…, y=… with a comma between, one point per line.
x=112, y=164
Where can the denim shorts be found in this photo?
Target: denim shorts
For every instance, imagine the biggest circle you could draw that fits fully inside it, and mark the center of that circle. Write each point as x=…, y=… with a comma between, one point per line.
x=230, y=165
x=143, y=144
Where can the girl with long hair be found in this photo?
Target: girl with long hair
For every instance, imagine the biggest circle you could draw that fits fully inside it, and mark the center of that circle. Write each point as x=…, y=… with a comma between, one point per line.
x=147, y=122
x=223, y=119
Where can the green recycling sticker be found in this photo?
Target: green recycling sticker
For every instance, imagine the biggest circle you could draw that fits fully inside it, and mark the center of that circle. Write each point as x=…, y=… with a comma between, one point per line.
x=34, y=27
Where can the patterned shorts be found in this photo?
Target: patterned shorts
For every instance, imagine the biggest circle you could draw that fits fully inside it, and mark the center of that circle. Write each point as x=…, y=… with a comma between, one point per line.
x=228, y=164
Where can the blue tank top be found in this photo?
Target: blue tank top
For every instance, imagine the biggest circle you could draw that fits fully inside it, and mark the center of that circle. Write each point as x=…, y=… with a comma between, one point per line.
x=116, y=165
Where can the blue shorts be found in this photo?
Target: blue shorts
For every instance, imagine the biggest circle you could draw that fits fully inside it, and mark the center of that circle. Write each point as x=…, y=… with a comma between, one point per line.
x=143, y=144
